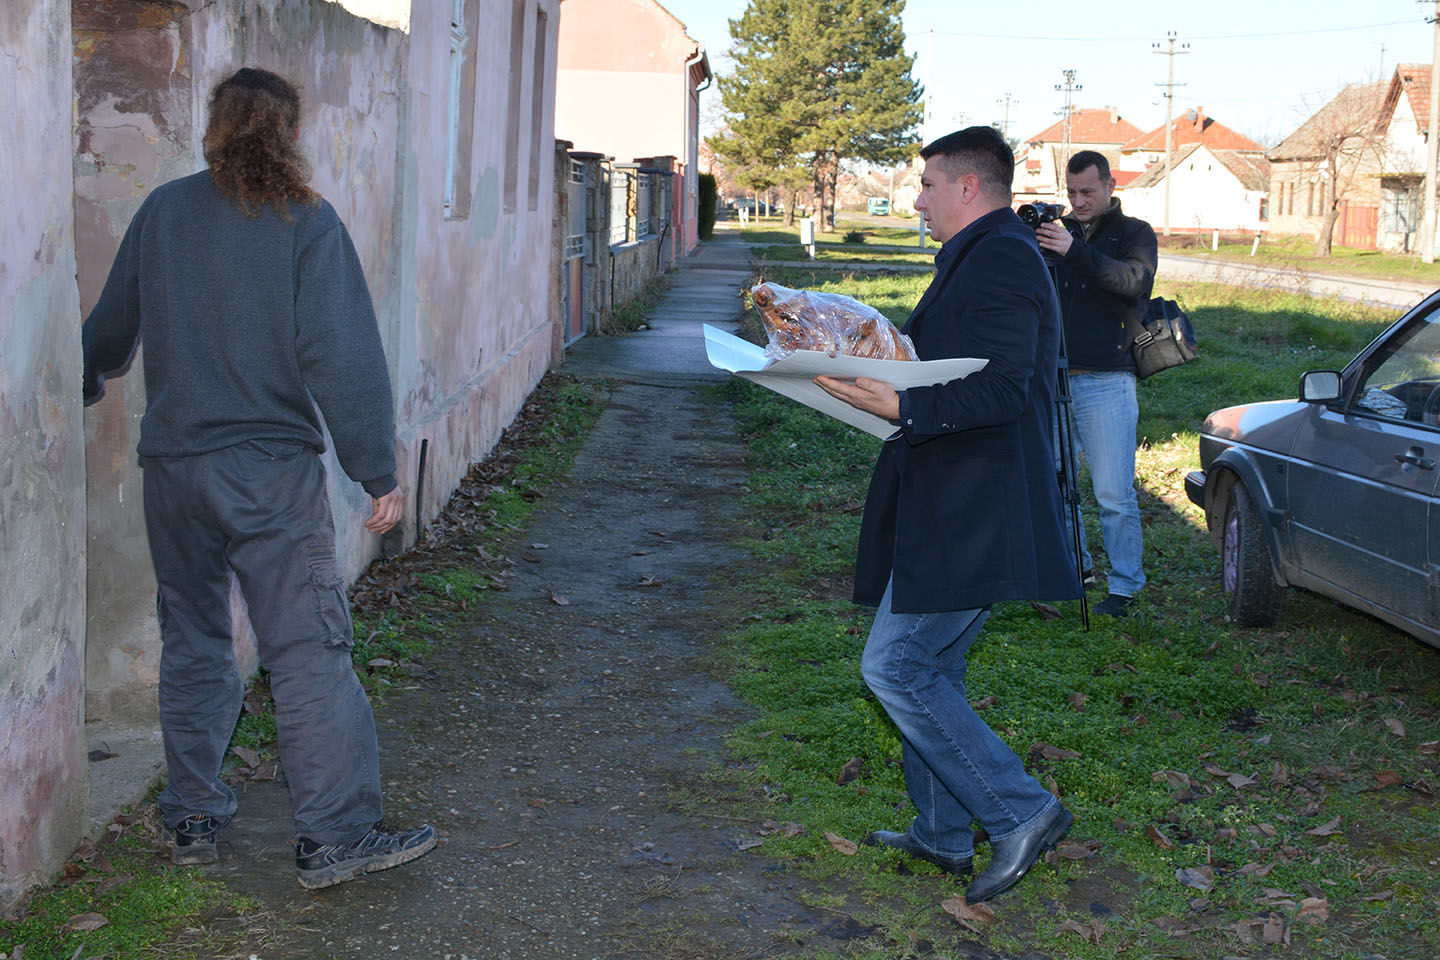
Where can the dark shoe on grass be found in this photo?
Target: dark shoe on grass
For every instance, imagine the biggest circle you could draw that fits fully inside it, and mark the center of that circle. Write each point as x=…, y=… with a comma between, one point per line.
x=1016, y=854
x=906, y=844
x=192, y=841
x=1115, y=605
x=326, y=864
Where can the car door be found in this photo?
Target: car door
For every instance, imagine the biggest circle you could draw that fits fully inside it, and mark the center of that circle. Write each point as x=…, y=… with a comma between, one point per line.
x=1363, y=478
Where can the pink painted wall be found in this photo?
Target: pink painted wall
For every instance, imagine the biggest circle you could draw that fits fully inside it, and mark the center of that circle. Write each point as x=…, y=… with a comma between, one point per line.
x=43, y=786
x=463, y=299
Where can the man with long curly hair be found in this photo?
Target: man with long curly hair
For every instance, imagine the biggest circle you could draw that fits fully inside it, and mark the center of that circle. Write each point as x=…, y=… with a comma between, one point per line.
x=248, y=296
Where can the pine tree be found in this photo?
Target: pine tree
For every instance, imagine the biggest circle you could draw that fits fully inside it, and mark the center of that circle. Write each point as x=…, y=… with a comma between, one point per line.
x=816, y=83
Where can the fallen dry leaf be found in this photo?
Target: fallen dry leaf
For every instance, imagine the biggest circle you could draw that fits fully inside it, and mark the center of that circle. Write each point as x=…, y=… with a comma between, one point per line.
x=1257, y=869
x=984, y=703
x=1215, y=771
x=1396, y=727
x=1279, y=776
x=1077, y=850
x=250, y=757
x=1387, y=778
x=1239, y=781
x=1177, y=927
x=379, y=662
x=1175, y=778
x=1313, y=910
x=560, y=600
x=851, y=771
x=1050, y=752
x=787, y=829
x=1091, y=931
x=748, y=843
x=1430, y=747
x=969, y=914
x=1380, y=897
x=1264, y=829
x=1077, y=700
x=1325, y=829
x=1158, y=838
x=842, y=845
x=1046, y=610
x=84, y=922
x=1200, y=878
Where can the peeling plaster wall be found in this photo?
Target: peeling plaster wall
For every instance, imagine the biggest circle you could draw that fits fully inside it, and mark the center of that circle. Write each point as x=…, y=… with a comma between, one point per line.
x=475, y=336
x=43, y=785
x=464, y=306
x=134, y=130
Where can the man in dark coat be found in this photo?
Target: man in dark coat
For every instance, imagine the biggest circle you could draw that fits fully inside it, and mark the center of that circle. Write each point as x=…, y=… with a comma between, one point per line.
x=964, y=512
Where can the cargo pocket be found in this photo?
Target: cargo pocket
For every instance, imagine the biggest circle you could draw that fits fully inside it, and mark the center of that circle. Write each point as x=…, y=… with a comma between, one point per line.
x=331, y=606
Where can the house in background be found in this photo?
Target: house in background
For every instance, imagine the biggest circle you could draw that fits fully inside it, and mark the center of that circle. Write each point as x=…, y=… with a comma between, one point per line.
x=1040, y=163
x=628, y=88
x=1376, y=134
x=1221, y=190
x=436, y=146
x=1147, y=149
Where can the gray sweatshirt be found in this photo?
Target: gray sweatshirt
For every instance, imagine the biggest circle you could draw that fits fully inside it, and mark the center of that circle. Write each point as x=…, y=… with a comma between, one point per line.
x=243, y=321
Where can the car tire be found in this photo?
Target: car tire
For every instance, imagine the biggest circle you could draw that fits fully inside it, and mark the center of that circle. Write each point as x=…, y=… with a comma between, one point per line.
x=1253, y=595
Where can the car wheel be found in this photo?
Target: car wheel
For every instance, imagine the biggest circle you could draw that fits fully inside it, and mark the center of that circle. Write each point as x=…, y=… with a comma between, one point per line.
x=1250, y=585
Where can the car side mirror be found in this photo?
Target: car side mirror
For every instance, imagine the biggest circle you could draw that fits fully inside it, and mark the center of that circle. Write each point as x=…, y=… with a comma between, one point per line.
x=1319, y=386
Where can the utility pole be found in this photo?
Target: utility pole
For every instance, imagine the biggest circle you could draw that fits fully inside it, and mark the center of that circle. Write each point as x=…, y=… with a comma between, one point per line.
x=1170, y=86
x=1432, y=149
x=1069, y=88
x=1005, y=124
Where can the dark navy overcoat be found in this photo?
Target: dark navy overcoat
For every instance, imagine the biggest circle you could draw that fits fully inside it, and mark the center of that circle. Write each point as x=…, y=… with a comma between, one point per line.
x=964, y=505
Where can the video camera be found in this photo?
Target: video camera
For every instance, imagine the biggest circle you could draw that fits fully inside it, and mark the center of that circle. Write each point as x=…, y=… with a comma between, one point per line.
x=1034, y=214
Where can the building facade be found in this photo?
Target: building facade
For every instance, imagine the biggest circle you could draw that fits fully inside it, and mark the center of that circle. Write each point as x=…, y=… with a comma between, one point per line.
x=436, y=147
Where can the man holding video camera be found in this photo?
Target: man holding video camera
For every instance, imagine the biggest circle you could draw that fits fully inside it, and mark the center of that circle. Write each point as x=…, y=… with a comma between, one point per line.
x=963, y=512
x=1104, y=265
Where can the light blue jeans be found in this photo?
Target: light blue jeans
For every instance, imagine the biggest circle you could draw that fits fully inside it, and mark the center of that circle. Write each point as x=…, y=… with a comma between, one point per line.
x=957, y=769
x=1103, y=418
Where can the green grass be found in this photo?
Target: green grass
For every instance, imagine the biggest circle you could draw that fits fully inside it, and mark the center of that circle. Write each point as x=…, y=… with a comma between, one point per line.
x=142, y=898
x=1302, y=709
x=1298, y=253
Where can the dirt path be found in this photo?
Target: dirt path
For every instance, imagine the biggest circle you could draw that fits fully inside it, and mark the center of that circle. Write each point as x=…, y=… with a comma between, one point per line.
x=564, y=718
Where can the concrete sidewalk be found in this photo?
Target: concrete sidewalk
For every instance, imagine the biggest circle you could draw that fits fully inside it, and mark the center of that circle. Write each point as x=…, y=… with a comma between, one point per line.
x=705, y=287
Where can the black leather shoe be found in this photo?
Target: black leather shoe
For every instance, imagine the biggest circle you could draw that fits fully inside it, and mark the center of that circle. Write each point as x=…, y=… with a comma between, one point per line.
x=1016, y=854
x=1115, y=605
x=904, y=843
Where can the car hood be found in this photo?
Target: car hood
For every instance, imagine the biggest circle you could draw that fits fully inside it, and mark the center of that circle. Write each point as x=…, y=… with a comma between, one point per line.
x=1270, y=425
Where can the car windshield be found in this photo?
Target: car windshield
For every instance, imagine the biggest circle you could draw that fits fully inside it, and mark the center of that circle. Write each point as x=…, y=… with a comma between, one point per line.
x=1401, y=381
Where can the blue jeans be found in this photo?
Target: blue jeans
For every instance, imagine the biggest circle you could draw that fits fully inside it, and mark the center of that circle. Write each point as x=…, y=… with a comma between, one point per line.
x=1103, y=418
x=957, y=769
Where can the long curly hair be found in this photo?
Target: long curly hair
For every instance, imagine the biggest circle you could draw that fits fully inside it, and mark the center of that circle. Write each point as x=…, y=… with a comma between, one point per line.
x=250, y=142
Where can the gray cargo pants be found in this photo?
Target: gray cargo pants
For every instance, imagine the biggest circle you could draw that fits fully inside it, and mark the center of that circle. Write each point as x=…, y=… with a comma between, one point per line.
x=261, y=509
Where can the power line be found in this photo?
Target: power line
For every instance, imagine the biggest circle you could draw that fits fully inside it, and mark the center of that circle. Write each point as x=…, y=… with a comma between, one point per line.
x=1216, y=36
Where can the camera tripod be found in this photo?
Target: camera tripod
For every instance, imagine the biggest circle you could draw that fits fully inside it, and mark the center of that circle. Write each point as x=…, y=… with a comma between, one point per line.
x=1068, y=472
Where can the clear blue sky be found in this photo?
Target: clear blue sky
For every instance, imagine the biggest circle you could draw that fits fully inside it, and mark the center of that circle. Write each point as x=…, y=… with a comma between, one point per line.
x=1258, y=66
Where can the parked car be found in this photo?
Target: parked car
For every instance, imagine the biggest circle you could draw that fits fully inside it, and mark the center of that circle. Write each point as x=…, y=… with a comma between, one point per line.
x=1335, y=492
x=878, y=206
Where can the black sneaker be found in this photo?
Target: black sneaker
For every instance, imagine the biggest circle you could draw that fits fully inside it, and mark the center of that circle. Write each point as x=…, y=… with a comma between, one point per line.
x=193, y=840
x=1115, y=605
x=326, y=864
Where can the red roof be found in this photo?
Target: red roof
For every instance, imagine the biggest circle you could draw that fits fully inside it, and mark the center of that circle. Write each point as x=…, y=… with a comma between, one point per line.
x=1194, y=127
x=1104, y=125
x=1414, y=79
x=1122, y=177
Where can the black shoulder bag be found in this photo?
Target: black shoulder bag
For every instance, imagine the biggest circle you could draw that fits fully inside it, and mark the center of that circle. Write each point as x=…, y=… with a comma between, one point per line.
x=1163, y=339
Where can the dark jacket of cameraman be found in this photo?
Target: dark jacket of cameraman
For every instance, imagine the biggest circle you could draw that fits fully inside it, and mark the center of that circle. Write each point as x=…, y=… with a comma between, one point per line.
x=1104, y=278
